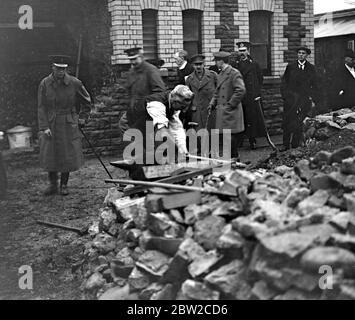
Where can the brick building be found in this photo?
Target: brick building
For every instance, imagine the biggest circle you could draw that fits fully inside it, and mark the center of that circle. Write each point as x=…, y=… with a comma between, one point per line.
x=161, y=27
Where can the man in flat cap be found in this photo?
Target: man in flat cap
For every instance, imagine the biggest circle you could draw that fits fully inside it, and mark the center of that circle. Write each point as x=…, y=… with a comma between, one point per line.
x=61, y=99
x=143, y=81
x=227, y=99
x=344, y=82
x=253, y=79
x=300, y=93
x=184, y=67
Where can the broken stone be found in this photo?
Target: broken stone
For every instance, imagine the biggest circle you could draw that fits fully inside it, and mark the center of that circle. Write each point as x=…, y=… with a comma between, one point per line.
x=317, y=200
x=320, y=232
x=193, y=290
x=112, y=195
x=303, y=171
x=282, y=170
x=346, y=242
x=334, y=257
x=177, y=270
x=147, y=293
x=161, y=225
x=208, y=230
x=116, y=293
x=191, y=250
x=138, y=280
x=229, y=209
x=341, y=154
x=231, y=243
x=337, y=202
x=167, y=293
x=348, y=166
x=133, y=235
x=290, y=244
x=350, y=202
x=127, y=208
x=262, y=291
x=294, y=294
x=296, y=196
x=95, y=282
x=176, y=215
x=104, y=243
x=322, y=158
x=202, y=264
x=144, y=238
x=168, y=246
x=268, y=210
x=94, y=229
x=341, y=220
x=121, y=271
x=195, y=212
x=231, y=281
x=236, y=179
x=153, y=262
x=323, y=182
x=107, y=219
x=247, y=228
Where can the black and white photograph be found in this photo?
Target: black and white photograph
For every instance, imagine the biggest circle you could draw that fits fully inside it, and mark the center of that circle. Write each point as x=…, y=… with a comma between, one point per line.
x=178, y=156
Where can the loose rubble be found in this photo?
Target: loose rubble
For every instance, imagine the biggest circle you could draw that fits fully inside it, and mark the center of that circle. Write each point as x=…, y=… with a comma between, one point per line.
x=274, y=241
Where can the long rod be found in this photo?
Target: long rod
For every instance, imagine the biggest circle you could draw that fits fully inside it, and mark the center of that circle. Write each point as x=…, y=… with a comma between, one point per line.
x=96, y=154
x=169, y=186
x=79, y=56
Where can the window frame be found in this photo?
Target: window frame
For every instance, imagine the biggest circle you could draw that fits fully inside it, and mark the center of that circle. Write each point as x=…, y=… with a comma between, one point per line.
x=269, y=14
x=194, y=14
x=154, y=54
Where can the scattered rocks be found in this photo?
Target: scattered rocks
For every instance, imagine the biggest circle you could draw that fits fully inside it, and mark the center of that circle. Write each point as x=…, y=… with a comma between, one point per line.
x=208, y=231
x=193, y=290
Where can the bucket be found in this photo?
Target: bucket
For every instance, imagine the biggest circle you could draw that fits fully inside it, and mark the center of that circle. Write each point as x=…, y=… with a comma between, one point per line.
x=19, y=137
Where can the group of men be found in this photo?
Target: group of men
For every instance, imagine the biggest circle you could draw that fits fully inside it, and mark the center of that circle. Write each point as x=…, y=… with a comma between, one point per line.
x=222, y=97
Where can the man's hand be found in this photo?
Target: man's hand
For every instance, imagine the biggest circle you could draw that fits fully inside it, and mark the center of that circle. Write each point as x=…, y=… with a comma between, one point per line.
x=48, y=132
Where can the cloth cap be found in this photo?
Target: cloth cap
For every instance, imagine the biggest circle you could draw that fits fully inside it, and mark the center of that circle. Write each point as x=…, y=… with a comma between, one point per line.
x=133, y=53
x=305, y=49
x=198, y=58
x=60, y=61
x=243, y=45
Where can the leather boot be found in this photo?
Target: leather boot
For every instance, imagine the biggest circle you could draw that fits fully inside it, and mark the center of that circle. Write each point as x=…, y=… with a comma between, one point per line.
x=64, y=183
x=53, y=184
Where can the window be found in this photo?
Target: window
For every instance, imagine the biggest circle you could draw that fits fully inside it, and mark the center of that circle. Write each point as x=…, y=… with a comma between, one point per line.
x=260, y=37
x=351, y=45
x=150, y=33
x=192, y=31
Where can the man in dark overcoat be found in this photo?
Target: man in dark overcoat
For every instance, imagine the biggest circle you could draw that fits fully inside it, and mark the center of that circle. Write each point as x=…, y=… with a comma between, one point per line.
x=300, y=93
x=253, y=79
x=344, y=82
x=61, y=98
x=227, y=100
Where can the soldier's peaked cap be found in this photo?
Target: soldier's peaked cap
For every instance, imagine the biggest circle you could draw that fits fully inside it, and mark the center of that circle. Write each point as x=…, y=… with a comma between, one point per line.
x=243, y=45
x=304, y=48
x=133, y=53
x=221, y=55
x=60, y=61
x=198, y=58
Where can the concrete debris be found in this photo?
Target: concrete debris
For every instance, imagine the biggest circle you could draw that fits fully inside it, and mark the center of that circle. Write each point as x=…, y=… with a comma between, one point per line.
x=268, y=243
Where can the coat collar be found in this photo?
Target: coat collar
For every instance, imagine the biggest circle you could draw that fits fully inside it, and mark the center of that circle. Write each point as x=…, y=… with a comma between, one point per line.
x=204, y=81
x=66, y=79
x=224, y=75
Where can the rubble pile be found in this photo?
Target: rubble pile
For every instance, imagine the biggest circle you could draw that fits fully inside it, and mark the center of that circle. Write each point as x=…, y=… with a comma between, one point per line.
x=290, y=234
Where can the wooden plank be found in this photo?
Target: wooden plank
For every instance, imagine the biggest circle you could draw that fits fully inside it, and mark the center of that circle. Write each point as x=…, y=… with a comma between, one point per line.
x=160, y=202
x=173, y=179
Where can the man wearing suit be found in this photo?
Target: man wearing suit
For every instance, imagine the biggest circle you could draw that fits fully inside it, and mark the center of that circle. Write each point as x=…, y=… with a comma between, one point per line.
x=227, y=100
x=345, y=82
x=253, y=79
x=300, y=92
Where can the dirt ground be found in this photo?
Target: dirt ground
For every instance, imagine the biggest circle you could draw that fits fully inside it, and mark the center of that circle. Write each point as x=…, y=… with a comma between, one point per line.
x=54, y=255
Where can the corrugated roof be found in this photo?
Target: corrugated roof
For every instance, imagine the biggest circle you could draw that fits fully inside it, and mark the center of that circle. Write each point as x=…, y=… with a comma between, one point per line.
x=338, y=26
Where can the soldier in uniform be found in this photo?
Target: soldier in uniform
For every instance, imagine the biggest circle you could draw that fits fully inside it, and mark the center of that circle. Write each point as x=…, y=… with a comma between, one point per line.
x=60, y=98
x=253, y=79
x=300, y=92
x=227, y=100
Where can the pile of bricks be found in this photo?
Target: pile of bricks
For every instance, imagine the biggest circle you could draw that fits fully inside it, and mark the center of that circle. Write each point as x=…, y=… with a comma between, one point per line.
x=290, y=234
